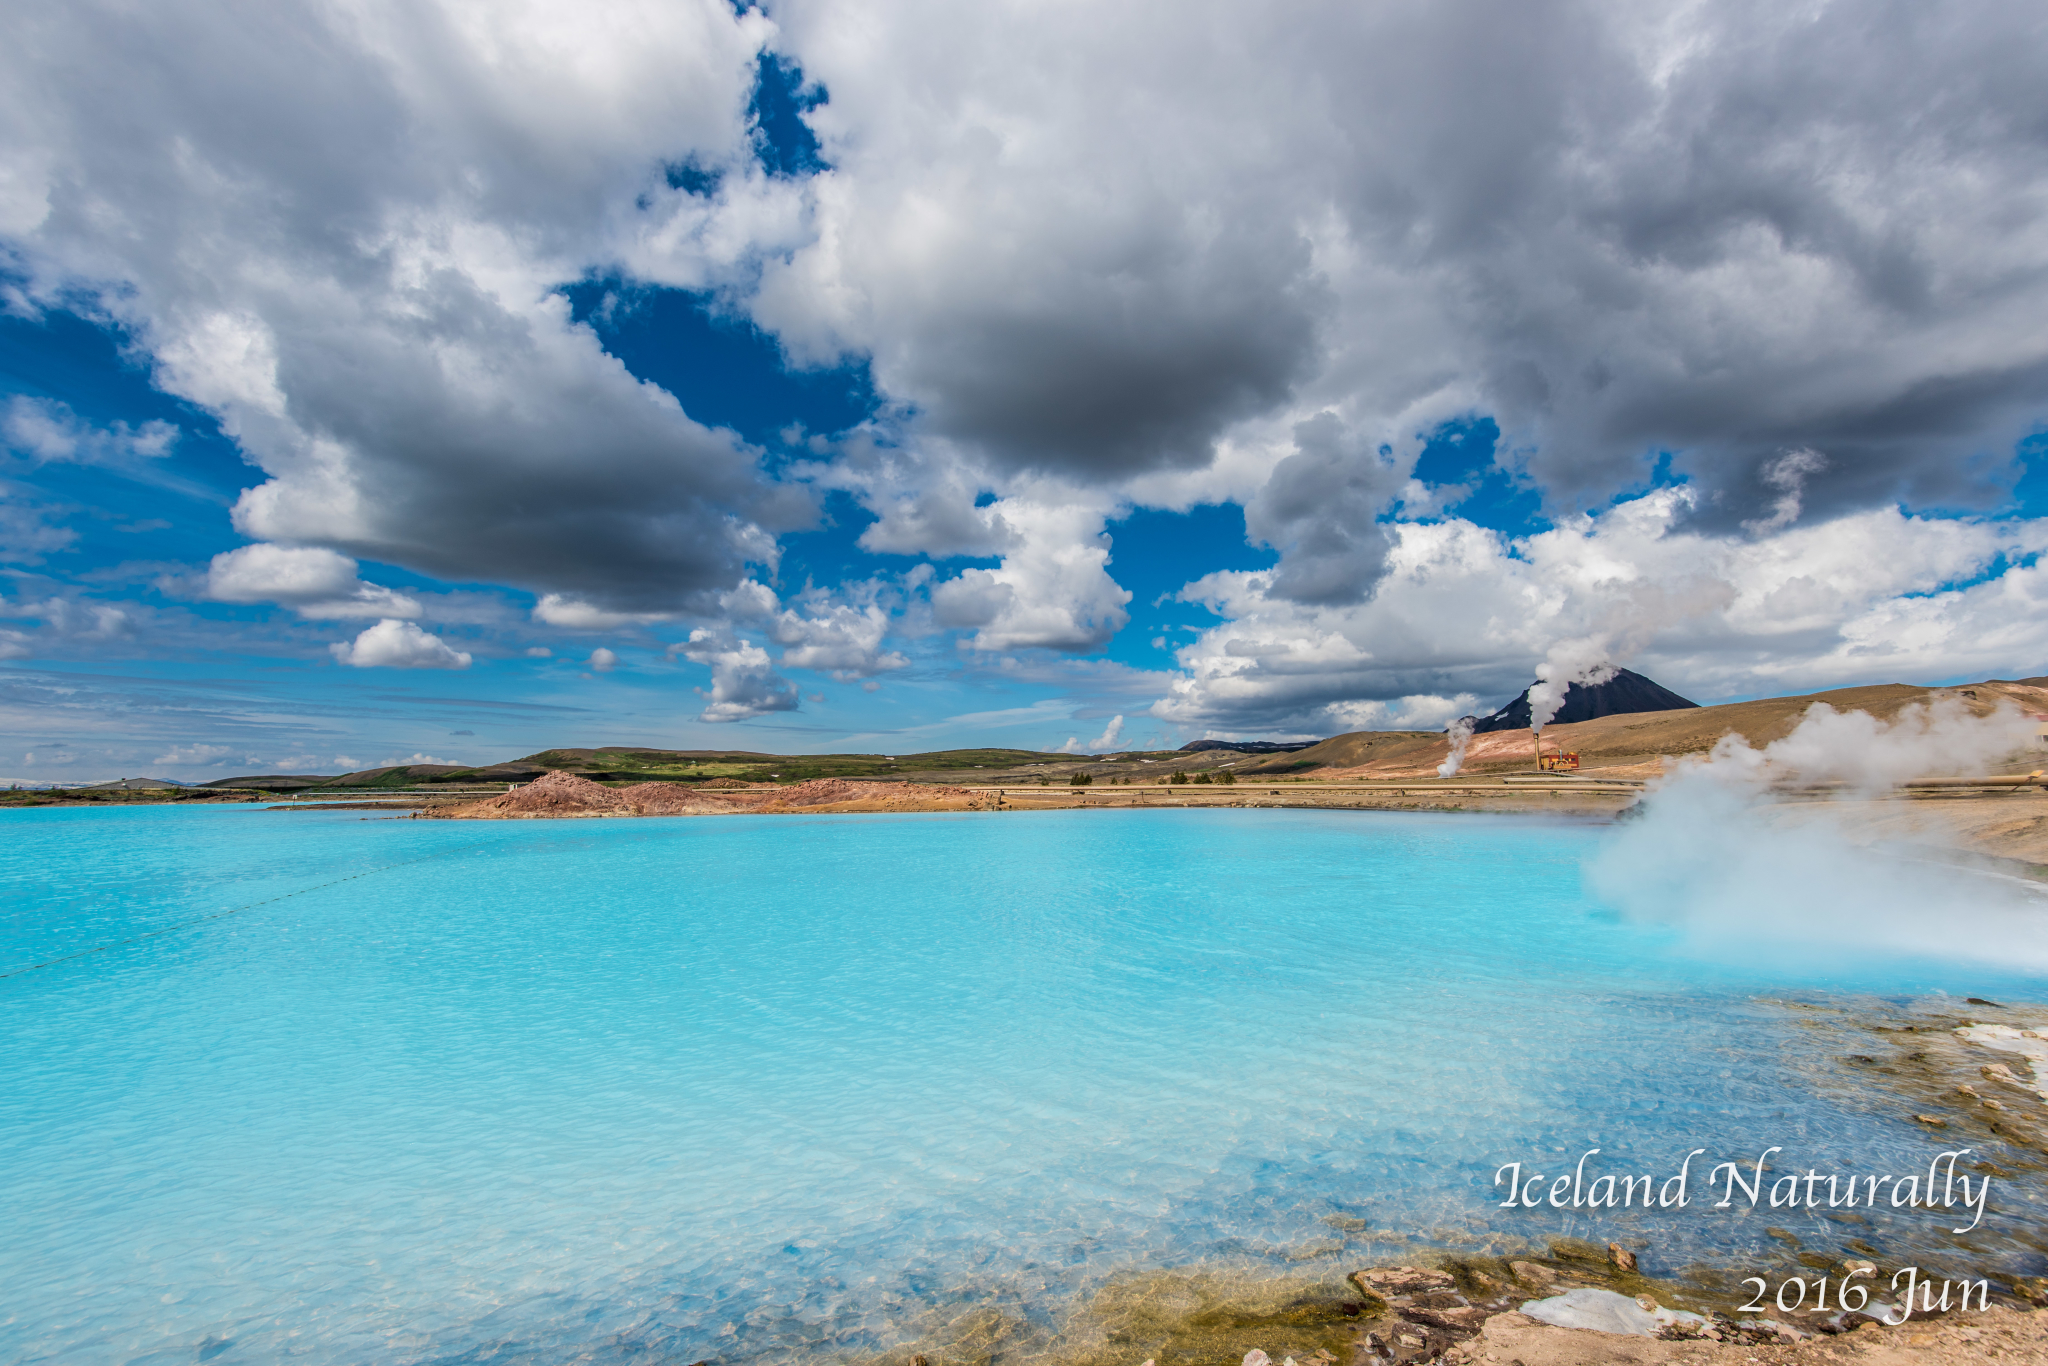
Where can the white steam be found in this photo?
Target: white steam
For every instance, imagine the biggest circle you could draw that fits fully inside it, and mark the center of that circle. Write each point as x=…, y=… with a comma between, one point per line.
x=1749, y=877
x=1569, y=662
x=1926, y=740
x=1460, y=732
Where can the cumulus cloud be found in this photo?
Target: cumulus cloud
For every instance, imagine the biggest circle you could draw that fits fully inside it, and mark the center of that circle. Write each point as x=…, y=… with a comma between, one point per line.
x=1320, y=509
x=603, y=661
x=575, y=614
x=1111, y=735
x=1052, y=588
x=73, y=620
x=820, y=630
x=744, y=683
x=1727, y=230
x=316, y=582
x=48, y=431
x=841, y=640
x=1168, y=254
x=1465, y=612
x=376, y=321
x=395, y=644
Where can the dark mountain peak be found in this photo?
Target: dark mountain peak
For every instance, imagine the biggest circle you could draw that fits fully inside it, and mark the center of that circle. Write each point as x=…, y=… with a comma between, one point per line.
x=1626, y=692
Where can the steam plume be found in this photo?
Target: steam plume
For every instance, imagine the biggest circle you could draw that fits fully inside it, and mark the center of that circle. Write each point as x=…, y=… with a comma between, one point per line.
x=1739, y=870
x=1460, y=732
x=1569, y=662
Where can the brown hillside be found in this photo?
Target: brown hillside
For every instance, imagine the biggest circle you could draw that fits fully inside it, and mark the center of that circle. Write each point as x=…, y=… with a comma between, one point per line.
x=1352, y=750
x=1635, y=741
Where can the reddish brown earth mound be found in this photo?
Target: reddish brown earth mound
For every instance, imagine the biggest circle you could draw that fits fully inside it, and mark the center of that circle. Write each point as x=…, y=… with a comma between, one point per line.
x=551, y=794
x=671, y=799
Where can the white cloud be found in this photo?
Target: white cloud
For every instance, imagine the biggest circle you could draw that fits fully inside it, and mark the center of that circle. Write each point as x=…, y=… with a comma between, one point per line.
x=603, y=660
x=378, y=325
x=539, y=652
x=1052, y=588
x=195, y=756
x=315, y=582
x=821, y=631
x=1787, y=474
x=574, y=614
x=841, y=640
x=67, y=623
x=48, y=431
x=1111, y=734
x=1093, y=262
x=1466, y=614
x=744, y=683
x=1726, y=230
x=415, y=758
x=395, y=644
x=27, y=527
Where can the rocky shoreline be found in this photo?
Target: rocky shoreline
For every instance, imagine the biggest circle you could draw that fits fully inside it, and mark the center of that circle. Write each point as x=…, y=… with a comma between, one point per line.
x=1576, y=1307
x=1972, y=1076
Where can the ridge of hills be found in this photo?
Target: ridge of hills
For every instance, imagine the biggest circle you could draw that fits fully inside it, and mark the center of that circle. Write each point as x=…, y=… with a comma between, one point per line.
x=1629, y=740
x=632, y=764
x=1615, y=743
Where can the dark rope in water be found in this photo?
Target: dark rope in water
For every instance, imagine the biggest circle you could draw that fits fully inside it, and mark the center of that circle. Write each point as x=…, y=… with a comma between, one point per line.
x=222, y=915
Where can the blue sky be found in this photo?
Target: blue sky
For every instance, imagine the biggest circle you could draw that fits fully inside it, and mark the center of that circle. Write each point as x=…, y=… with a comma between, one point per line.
x=753, y=379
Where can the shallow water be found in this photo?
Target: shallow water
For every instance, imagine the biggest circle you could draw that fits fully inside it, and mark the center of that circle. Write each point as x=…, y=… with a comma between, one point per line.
x=552, y=1091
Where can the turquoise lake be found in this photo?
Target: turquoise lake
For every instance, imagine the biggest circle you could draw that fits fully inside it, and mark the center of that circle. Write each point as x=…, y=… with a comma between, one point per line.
x=714, y=1088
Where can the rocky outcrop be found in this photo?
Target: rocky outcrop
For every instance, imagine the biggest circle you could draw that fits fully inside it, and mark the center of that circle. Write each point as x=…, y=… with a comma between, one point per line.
x=551, y=794
x=1429, y=1314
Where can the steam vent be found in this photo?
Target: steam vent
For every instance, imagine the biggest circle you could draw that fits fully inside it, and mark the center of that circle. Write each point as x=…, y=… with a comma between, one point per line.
x=1625, y=692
